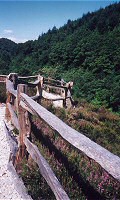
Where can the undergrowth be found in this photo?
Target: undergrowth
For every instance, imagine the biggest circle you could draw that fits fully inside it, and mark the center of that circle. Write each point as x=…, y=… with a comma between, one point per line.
x=36, y=185
x=99, y=124
x=81, y=177
x=2, y=92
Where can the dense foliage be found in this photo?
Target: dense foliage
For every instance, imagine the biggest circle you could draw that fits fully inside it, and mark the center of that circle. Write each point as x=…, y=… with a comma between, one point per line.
x=7, y=50
x=86, y=51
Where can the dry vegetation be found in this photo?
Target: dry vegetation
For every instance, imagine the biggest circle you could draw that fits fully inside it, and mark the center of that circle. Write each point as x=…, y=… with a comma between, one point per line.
x=80, y=176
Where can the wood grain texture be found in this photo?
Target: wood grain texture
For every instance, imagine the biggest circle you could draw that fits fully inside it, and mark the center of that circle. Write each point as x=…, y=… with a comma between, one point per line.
x=53, y=80
x=23, y=122
x=50, y=96
x=46, y=171
x=39, y=88
x=26, y=107
x=30, y=84
x=109, y=161
x=36, y=97
x=10, y=88
x=56, y=99
x=13, y=77
x=3, y=76
x=53, y=86
x=27, y=77
x=2, y=81
x=14, y=118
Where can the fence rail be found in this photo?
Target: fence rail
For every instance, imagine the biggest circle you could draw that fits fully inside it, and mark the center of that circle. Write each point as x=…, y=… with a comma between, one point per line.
x=3, y=78
x=109, y=161
x=18, y=108
x=46, y=171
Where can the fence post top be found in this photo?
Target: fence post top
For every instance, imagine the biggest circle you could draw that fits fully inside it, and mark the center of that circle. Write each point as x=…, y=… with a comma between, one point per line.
x=12, y=74
x=22, y=88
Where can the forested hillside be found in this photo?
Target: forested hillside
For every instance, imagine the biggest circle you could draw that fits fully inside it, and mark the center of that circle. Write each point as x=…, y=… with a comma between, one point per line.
x=7, y=52
x=86, y=51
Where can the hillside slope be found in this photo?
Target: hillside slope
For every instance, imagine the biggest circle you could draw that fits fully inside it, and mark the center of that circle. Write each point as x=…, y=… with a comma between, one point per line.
x=86, y=51
x=7, y=51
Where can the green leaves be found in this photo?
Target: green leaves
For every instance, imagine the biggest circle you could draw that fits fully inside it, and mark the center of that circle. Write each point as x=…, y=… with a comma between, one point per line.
x=86, y=51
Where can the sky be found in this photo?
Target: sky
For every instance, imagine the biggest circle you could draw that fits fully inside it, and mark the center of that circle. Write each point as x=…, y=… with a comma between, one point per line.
x=26, y=20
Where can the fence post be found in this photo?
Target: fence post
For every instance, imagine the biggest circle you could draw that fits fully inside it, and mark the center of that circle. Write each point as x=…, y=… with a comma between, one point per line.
x=64, y=95
x=48, y=89
x=13, y=77
x=69, y=100
x=24, y=123
x=39, y=87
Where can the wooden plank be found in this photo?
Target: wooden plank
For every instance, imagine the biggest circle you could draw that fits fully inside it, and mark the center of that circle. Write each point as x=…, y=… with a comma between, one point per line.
x=50, y=79
x=46, y=171
x=24, y=122
x=109, y=161
x=26, y=107
x=27, y=77
x=3, y=76
x=10, y=88
x=30, y=84
x=39, y=88
x=53, y=98
x=3, y=81
x=36, y=97
x=13, y=77
x=34, y=84
x=50, y=85
x=57, y=100
x=13, y=116
x=54, y=80
x=50, y=96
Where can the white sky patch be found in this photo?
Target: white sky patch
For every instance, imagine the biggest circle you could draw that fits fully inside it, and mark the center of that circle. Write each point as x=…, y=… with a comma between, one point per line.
x=9, y=34
x=17, y=40
x=8, y=31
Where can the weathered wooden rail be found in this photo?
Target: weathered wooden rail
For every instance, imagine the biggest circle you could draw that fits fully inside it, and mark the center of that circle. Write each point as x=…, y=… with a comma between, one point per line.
x=19, y=106
x=3, y=78
x=61, y=97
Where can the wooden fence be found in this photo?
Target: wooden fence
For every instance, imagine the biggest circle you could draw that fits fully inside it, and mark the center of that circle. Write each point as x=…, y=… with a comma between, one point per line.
x=19, y=106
